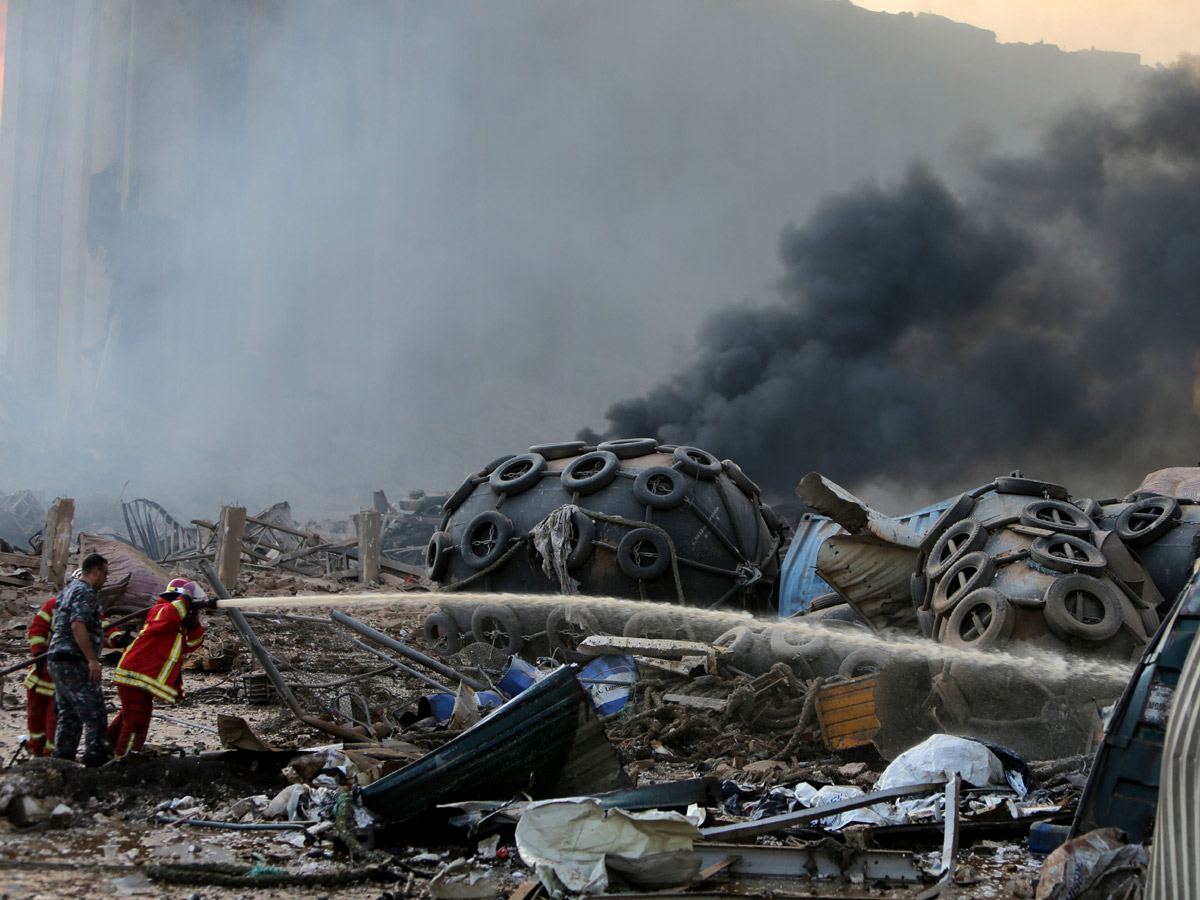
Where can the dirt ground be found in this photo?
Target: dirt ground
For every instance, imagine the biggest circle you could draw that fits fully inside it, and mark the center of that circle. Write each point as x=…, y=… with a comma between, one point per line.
x=101, y=831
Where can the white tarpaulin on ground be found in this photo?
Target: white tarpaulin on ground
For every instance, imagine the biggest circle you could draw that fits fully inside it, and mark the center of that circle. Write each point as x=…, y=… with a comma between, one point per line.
x=940, y=756
x=572, y=844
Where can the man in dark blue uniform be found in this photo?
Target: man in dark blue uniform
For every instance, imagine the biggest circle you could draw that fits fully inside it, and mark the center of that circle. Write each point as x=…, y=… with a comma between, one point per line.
x=74, y=658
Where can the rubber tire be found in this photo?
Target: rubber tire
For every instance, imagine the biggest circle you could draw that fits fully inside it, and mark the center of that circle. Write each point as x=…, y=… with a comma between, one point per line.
x=659, y=626
x=518, y=474
x=558, y=451
x=562, y=634
x=1001, y=622
x=585, y=537
x=437, y=555
x=1077, y=523
x=629, y=448
x=960, y=507
x=950, y=590
x=643, y=494
x=509, y=624
x=740, y=478
x=504, y=533
x=738, y=640
x=1029, y=487
x=441, y=634
x=1042, y=553
x=863, y=661
x=1067, y=627
x=455, y=500
x=697, y=463
x=826, y=601
x=787, y=643
x=631, y=542
x=963, y=537
x=594, y=481
x=494, y=464
x=770, y=518
x=1169, y=511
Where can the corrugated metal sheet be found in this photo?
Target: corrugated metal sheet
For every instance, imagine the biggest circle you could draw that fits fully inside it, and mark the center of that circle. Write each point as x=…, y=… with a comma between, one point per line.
x=799, y=583
x=1174, y=867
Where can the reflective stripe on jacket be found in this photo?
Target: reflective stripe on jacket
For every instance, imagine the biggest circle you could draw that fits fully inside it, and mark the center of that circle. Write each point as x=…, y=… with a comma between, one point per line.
x=153, y=661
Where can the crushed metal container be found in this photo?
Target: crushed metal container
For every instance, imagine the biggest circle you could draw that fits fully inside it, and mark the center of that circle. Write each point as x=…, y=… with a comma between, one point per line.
x=846, y=711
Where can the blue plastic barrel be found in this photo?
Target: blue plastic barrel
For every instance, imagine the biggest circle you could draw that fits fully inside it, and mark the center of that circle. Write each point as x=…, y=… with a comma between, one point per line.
x=609, y=680
x=517, y=676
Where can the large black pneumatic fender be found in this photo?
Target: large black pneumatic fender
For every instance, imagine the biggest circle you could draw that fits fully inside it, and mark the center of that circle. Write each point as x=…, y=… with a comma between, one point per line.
x=651, y=522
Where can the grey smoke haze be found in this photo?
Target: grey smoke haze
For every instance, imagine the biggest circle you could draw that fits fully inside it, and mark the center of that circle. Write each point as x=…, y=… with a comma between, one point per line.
x=376, y=244
x=1042, y=316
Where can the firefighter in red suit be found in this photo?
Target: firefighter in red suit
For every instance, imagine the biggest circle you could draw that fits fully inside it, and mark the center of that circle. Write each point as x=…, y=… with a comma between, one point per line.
x=151, y=665
x=40, y=720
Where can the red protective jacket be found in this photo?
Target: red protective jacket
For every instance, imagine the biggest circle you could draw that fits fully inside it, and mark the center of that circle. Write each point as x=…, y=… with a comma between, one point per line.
x=38, y=679
x=153, y=661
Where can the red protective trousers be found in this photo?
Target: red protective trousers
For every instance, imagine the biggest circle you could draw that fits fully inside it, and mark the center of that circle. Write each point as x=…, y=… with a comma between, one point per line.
x=40, y=722
x=127, y=732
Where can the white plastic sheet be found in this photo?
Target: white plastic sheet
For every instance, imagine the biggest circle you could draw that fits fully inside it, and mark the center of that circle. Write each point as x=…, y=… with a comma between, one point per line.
x=573, y=843
x=940, y=756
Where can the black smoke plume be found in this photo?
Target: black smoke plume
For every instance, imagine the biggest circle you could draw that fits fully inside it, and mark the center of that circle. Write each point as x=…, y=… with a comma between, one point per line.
x=1045, y=316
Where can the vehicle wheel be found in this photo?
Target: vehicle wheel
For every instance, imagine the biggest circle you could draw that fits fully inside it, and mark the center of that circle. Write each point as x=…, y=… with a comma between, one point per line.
x=582, y=537
x=740, y=478
x=960, y=507
x=558, y=451
x=566, y=627
x=918, y=587
x=485, y=539
x=629, y=448
x=661, y=626
x=1080, y=607
x=659, y=488
x=437, y=554
x=826, y=601
x=1057, y=516
x=982, y=620
x=518, y=474
x=1146, y=520
x=590, y=473
x=497, y=626
x=697, y=463
x=1067, y=553
x=1031, y=488
x=971, y=572
x=961, y=538
x=643, y=554
x=863, y=661
x=441, y=634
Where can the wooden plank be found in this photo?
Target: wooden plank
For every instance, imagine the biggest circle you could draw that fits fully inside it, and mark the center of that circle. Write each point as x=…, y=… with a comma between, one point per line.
x=698, y=702
x=368, y=546
x=24, y=560
x=746, y=830
x=56, y=541
x=229, y=543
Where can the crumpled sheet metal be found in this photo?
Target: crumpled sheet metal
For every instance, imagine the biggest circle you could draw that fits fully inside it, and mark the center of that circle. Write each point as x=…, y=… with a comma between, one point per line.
x=873, y=577
x=574, y=843
x=1181, y=482
x=851, y=513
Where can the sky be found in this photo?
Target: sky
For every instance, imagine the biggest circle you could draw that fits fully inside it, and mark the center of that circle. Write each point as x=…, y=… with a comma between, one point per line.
x=401, y=244
x=1158, y=30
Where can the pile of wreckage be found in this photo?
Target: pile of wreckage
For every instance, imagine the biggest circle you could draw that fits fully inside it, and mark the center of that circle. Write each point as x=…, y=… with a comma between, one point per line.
x=967, y=646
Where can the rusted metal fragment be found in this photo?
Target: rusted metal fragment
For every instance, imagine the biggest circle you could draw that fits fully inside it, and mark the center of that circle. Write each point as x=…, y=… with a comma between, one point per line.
x=143, y=578
x=873, y=577
x=812, y=860
x=1181, y=482
x=547, y=742
x=851, y=513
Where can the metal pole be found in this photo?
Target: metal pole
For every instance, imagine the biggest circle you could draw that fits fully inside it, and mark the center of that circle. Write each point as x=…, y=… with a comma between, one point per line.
x=404, y=650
